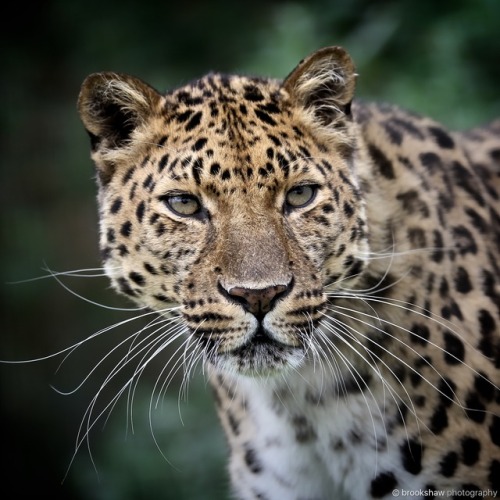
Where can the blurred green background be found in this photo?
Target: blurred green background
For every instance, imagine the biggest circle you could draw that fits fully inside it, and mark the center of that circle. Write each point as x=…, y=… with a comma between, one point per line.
x=440, y=58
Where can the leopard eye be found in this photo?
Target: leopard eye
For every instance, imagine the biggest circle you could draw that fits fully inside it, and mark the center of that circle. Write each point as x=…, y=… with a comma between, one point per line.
x=185, y=205
x=300, y=196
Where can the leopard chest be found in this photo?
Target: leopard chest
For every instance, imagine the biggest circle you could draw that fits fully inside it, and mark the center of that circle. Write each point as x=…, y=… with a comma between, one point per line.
x=308, y=438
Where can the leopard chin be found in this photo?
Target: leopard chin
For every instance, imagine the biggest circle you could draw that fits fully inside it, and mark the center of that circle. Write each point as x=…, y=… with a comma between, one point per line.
x=261, y=355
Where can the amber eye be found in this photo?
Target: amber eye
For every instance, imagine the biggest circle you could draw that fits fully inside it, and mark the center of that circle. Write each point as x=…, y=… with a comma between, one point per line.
x=300, y=196
x=182, y=204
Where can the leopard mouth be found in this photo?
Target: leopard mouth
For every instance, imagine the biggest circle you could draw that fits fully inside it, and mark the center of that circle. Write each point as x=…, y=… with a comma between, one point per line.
x=262, y=337
x=260, y=341
x=261, y=354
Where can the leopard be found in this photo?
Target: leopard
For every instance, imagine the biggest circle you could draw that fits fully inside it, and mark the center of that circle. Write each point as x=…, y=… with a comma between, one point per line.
x=332, y=263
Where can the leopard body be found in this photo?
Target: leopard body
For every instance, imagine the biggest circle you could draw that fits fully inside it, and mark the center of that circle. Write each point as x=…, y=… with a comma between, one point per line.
x=334, y=264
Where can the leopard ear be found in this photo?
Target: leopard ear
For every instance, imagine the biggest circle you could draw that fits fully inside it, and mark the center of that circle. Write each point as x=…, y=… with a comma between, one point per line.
x=324, y=83
x=112, y=107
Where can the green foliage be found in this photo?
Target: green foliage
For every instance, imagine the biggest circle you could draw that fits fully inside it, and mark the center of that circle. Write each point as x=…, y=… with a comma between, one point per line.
x=436, y=57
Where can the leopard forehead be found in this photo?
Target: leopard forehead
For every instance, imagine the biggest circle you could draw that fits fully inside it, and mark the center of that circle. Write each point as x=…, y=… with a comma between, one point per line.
x=238, y=144
x=223, y=134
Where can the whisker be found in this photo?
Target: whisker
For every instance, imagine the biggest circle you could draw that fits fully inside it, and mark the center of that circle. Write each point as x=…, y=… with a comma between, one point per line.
x=89, y=417
x=407, y=365
x=355, y=376
x=98, y=304
x=424, y=313
x=68, y=350
x=92, y=272
x=79, y=273
x=171, y=335
x=376, y=369
x=115, y=348
x=177, y=365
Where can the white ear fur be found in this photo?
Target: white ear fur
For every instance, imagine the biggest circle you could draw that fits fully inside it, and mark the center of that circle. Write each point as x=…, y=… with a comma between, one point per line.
x=324, y=83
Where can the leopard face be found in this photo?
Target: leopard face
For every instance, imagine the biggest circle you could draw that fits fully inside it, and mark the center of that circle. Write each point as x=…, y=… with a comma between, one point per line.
x=235, y=199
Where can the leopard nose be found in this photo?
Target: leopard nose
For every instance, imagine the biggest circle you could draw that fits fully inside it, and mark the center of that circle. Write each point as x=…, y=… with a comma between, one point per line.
x=259, y=301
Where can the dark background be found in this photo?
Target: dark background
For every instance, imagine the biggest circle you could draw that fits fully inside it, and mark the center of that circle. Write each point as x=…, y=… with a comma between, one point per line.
x=440, y=58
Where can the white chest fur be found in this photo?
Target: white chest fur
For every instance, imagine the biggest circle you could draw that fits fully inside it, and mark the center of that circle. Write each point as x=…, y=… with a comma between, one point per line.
x=306, y=438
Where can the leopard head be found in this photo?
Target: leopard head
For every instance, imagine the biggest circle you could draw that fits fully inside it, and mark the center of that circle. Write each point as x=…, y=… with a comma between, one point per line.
x=234, y=198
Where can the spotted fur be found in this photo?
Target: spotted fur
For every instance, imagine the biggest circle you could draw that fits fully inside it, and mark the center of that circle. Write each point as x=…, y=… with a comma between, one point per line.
x=335, y=266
